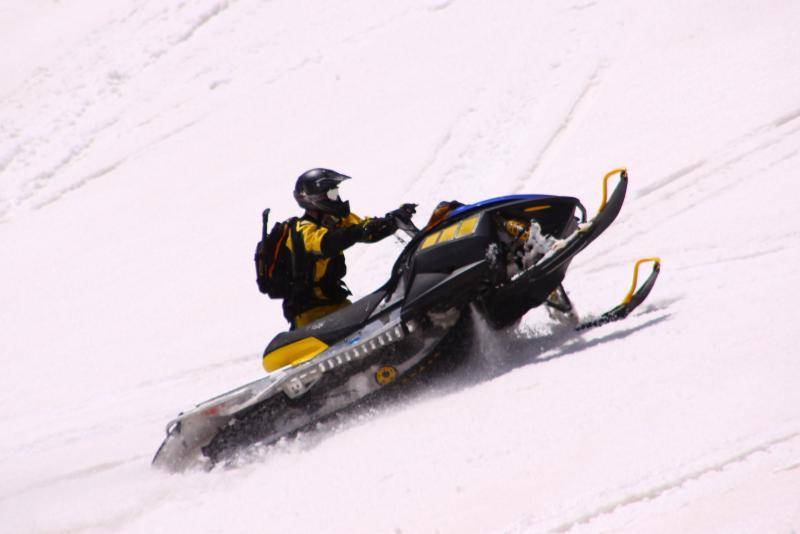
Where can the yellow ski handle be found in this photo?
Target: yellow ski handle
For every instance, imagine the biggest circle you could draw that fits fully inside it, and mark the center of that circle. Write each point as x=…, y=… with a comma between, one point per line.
x=629, y=296
x=623, y=171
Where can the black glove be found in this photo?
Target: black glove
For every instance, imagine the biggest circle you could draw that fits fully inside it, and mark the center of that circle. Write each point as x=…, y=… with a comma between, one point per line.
x=403, y=213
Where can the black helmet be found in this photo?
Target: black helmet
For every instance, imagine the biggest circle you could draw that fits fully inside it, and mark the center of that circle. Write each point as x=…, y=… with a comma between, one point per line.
x=318, y=189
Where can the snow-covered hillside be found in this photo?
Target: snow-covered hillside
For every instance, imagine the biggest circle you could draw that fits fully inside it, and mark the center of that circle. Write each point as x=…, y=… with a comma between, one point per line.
x=140, y=140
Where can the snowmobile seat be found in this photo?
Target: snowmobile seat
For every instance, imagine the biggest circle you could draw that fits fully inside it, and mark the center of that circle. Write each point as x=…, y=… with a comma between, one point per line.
x=332, y=327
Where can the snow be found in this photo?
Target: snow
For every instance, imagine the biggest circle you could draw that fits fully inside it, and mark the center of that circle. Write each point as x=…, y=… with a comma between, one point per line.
x=140, y=140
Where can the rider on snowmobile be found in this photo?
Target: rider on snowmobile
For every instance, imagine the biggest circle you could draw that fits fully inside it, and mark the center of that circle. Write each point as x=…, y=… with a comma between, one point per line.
x=327, y=228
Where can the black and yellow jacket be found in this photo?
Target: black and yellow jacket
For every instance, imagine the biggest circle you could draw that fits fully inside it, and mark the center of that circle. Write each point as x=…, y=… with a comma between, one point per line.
x=321, y=265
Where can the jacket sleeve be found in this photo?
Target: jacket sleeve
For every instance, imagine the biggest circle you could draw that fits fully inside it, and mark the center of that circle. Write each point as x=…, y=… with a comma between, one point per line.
x=335, y=241
x=321, y=241
x=375, y=228
x=312, y=236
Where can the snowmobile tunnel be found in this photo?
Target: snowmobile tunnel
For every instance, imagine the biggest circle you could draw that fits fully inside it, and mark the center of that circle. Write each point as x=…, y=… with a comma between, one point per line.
x=327, y=329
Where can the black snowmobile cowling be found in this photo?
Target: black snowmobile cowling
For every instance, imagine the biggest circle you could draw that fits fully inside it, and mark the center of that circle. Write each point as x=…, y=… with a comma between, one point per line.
x=500, y=258
x=447, y=264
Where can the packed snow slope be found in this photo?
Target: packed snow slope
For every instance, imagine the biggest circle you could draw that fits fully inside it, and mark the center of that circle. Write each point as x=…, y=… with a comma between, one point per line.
x=140, y=140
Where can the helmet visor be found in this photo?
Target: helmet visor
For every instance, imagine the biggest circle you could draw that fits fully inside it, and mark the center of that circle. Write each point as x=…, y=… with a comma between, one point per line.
x=333, y=194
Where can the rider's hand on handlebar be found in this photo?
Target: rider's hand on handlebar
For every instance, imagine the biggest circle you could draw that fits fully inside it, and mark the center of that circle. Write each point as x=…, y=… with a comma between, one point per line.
x=403, y=213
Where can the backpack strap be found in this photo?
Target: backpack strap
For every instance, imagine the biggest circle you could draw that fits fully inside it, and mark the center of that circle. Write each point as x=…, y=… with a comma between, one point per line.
x=278, y=247
x=298, y=248
x=302, y=274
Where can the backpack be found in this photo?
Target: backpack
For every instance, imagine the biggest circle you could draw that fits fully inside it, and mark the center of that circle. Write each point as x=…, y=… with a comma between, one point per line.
x=275, y=269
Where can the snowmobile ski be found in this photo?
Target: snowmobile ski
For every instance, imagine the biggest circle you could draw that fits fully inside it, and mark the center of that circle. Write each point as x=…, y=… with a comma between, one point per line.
x=631, y=300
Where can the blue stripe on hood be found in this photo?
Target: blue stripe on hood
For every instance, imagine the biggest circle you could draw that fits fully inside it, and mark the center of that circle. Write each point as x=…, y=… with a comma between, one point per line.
x=496, y=200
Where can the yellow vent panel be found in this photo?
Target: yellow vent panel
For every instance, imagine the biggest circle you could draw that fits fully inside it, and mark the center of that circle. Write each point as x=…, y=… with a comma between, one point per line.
x=431, y=240
x=468, y=226
x=454, y=231
x=448, y=233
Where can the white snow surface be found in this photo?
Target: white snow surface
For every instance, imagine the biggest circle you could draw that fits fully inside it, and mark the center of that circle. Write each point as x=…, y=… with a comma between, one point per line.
x=140, y=140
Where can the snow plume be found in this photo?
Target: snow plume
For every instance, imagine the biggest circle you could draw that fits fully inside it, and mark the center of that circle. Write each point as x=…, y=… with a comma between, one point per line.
x=496, y=352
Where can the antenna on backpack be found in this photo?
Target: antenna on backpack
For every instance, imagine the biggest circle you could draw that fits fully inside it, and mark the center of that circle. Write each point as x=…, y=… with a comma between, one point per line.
x=264, y=225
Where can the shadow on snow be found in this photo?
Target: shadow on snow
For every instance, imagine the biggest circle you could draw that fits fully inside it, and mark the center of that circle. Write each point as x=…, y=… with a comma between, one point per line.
x=492, y=354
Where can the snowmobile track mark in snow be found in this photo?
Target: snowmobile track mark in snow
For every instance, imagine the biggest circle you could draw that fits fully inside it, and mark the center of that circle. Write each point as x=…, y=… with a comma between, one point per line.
x=672, y=177
x=676, y=483
x=560, y=131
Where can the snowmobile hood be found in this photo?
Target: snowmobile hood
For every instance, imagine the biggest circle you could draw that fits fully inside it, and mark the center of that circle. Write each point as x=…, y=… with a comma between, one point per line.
x=494, y=201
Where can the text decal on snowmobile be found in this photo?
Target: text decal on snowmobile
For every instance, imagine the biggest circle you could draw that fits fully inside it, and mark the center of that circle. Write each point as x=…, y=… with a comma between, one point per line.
x=454, y=231
x=294, y=353
x=537, y=208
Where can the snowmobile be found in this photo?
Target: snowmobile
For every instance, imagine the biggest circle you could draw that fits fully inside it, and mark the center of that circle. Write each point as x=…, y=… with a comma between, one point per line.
x=499, y=257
